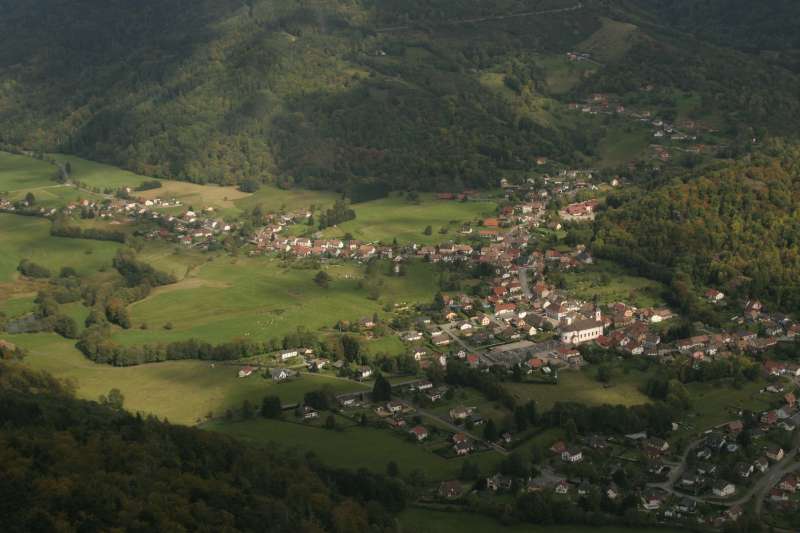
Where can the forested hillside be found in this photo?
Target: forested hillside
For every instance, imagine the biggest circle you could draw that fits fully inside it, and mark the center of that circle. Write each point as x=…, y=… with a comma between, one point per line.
x=769, y=25
x=218, y=91
x=72, y=465
x=735, y=228
x=370, y=93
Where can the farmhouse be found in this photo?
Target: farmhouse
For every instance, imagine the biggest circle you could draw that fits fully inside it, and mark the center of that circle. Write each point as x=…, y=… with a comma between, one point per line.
x=280, y=374
x=288, y=354
x=363, y=372
x=246, y=371
x=572, y=455
x=723, y=489
x=419, y=433
x=450, y=490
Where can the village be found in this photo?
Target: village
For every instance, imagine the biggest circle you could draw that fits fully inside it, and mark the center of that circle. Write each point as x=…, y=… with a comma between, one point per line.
x=526, y=326
x=517, y=322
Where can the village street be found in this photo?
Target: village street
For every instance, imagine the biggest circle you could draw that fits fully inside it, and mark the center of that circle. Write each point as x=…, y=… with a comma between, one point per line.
x=456, y=429
x=759, y=489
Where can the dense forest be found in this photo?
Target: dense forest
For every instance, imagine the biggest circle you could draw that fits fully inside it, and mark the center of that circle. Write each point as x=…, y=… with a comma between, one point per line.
x=71, y=465
x=735, y=227
x=382, y=94
x=743, y=24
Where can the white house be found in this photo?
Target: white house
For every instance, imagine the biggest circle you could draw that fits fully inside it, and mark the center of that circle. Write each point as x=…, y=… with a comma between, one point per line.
x=723, y=489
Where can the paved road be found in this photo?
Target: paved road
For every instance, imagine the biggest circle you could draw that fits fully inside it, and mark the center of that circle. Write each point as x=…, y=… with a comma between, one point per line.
x=758, y=490
x=523, y=280
x=455, y=428
x=491, y=18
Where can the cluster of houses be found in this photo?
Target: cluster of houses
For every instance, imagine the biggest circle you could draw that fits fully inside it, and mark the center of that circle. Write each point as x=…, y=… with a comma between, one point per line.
x=684, y=132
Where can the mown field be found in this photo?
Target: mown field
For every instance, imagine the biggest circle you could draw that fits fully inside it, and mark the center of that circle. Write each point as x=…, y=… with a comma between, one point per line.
x=395, y=217
x=260, y=299
x=421, y=520
x=22, y=173
x=582, y=387
x=353, y=446
x=273, y=199
x=29, y=238
x=98, y=175
x=182, y=391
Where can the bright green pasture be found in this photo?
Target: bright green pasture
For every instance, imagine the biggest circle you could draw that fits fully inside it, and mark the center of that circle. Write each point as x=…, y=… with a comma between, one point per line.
x=29, y=238
x=273, y=199
x=22, y=173
x=260, y=298
x=182, y=391
x=610, y=283
x=421, y=520
x=395, y=217
x=19, y=305
x=582, y=387
x=99, y=175
x=354, y=446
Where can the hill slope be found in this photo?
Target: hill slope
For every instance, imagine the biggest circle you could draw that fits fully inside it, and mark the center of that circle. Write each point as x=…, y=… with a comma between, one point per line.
x=70, y=465
x=734, y=228
x=433, y=95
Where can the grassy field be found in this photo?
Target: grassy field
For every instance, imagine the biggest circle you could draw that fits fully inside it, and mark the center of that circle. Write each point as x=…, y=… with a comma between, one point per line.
x=273, y=199
x=582, y=387
x=99, y=175
x=182, y=391
x=353, y=446
x=610, y=42
x=394, y=217
x=29, y=238
x=622, y=144
x=420, y=520
x=610, y=283
x=22, y=173
x=562, y=74
x=17, y=305
x=258, y=298
x=716, y=403
x=198, y=197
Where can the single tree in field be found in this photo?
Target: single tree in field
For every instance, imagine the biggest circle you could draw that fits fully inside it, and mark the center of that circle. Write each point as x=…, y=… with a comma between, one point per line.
x=271, y=407
x=490, y=431
x=428, y=230
x=322, y=279
x=247, y=410
x=30, y=199
x=330, y=422
x=382, y=390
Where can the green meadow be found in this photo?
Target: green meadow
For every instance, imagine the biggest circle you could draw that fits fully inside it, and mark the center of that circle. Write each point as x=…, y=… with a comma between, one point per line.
x=623, y=143
x=397, y=218
x=261, y=298
x=611, y=283
x=29, y=238
x=17, y=305
x=99, y=175
x=273, y=199
x=182, y=391
x=23, y=173
x=582, y=387
x=353, y=446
